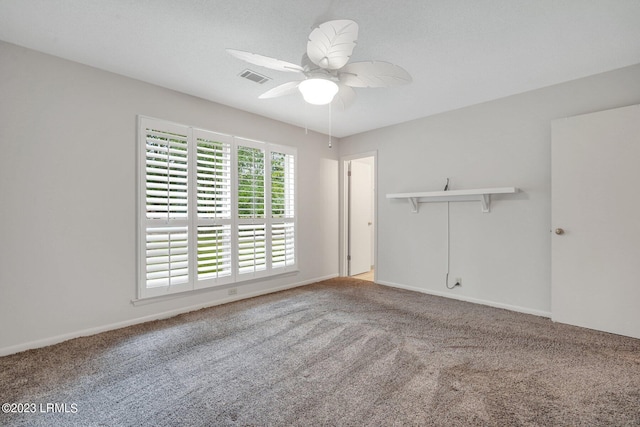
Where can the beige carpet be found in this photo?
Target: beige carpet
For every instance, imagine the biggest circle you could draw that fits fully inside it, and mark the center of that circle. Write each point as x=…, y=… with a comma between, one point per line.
x=341, y=352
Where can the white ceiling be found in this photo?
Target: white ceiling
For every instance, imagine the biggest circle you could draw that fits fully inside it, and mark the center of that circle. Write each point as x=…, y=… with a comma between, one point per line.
x=459, y=52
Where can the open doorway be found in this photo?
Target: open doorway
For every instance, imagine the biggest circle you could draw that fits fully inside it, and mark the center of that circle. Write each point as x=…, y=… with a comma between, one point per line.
x=359, y=204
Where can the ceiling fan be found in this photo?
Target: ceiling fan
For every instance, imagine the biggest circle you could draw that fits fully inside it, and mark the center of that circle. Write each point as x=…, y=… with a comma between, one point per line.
x=328, y=78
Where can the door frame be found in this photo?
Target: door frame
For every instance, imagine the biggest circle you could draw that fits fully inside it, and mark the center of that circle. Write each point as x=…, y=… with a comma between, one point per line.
x=344, y=210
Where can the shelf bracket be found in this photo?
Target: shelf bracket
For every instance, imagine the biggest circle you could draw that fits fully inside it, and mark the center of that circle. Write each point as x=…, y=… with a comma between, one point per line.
x=486, y=202
x=414, y=204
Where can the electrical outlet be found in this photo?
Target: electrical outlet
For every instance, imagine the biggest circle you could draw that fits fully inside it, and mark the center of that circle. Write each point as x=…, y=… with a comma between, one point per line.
x=458, y=281
x=233, y=291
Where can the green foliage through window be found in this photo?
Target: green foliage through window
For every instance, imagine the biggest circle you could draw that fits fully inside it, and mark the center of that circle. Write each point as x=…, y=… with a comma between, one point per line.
x=250, y=182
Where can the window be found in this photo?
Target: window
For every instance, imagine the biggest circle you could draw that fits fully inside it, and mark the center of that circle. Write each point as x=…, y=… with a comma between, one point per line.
x=213, y=209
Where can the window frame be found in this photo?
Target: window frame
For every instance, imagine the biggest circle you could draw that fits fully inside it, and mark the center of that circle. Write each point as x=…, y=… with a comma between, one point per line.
x=193, y=221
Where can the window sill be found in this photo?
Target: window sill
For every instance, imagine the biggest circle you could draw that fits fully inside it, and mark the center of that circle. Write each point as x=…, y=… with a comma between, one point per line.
x=150, y=300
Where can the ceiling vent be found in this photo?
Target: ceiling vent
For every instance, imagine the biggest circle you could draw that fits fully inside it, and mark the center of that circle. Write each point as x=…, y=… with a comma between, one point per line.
x=254, y=77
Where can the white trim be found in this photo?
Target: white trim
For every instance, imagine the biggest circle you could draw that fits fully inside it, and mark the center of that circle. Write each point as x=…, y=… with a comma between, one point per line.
x=494, y=304
x=144, y=301
x=5, y=351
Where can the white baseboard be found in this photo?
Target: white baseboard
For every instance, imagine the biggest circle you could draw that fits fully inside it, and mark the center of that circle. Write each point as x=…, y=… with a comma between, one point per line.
x=5, y=351
x=510, y=307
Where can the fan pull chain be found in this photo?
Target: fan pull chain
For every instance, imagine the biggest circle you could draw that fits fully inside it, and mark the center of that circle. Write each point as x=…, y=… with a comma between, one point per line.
x=330, y=125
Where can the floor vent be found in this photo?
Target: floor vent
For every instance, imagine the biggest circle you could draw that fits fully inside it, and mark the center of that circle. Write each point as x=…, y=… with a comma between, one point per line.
x=254, y=77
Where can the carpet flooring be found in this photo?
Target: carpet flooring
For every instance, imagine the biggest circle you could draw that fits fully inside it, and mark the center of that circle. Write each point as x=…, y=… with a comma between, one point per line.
x=343, y=352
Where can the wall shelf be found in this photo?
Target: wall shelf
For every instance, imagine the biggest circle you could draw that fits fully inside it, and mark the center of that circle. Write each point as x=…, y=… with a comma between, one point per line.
x=483, y=195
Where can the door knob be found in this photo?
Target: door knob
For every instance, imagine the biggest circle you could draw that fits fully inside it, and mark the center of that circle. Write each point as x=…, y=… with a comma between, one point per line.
x=559, y=231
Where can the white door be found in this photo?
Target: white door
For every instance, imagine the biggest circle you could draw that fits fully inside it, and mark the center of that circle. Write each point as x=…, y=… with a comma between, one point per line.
x=360, y=217
x=596, y=221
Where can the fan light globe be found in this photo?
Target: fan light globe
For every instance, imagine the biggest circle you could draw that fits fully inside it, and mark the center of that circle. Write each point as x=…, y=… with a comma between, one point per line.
x=318, y=91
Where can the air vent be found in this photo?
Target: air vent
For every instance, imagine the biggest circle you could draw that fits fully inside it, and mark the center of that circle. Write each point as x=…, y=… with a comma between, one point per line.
x=254, y=77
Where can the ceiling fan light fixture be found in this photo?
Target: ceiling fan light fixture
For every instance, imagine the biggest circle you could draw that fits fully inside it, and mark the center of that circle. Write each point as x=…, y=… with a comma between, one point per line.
x=326, y=69
x=318, y=91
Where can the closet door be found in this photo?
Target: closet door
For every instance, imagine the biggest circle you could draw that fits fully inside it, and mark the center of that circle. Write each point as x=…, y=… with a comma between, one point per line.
x=596, y=221
x=360, y=217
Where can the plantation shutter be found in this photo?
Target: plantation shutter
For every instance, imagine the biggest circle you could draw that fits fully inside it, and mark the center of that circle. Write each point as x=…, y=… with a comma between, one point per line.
x=167, y=256
x=213, y=184
x=166, y=205
x=283, y=244
x=252, y=227
x=166, y=175
x=282, y=209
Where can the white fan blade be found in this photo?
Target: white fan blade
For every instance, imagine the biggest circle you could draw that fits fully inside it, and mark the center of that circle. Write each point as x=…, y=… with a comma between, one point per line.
x=331, y=44
x=373, y=74
x=265, y=61
x=284, y=89
x=344, y=98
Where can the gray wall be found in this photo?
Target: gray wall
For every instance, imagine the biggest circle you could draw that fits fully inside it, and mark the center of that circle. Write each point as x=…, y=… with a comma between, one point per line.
x=68, y=197
x=503, y=257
